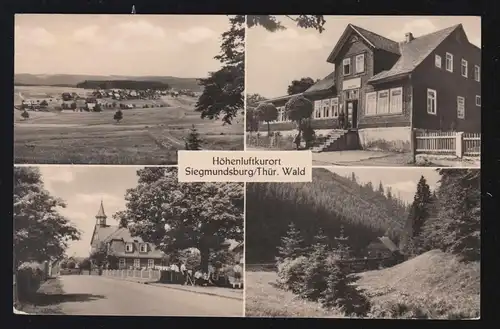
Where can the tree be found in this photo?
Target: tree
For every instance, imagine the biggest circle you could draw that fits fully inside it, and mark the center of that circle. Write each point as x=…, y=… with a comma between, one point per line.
x=64, y=264
x=85, y=264
x=455, y=225
x=223, y=90
x=253, y=100
x=99, y=255
x=44, y=103
x=342, y=249
x=193, y=141
x=389, y=193
x=118, y=116
x=25, y=115
x=267, y=112
x=353, y=177
x=381, y=188
x=114, y=104
x=175, y=215
x=419, y=213
x=299, y=108
x=41, y=233
x=292, y=244
x=316, y=273
x=252, y=120
x=299, y=86
x=73, y=106
x=97, y=108
x=71, y=265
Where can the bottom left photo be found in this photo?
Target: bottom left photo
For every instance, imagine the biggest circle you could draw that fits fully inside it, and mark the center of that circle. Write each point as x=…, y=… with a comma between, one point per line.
x=124, y=240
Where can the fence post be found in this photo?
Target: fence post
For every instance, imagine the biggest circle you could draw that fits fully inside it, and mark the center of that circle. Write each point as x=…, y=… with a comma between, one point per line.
x=459, y=150
x=413, y=145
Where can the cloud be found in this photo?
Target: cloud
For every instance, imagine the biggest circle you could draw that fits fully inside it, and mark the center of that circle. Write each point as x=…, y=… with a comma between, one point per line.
x=137, y=36
x=37, y=36
x=139, y=29
x=197, y=34
x=417, y=27
x=291, y=40
x=89, y=35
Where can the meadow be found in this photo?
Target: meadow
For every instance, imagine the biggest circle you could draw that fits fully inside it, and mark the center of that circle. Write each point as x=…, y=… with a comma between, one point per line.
x=147, y=136
x=434, y=285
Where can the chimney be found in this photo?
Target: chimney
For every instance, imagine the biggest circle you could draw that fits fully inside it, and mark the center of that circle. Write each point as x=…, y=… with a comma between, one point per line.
x=409, y=37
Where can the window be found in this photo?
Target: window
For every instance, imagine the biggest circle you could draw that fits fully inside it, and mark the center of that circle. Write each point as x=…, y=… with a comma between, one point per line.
x=437, y=61
x=137, y=263
x=360, y=63
x=478, y=100
x=335, y=107
x=460, y=107
x=317, y=109
x=383, y=102
x=129, y=247
x=431, y=101
x=371, y=103
x=325, y=108
x=151, y=263
x=121, y=263
x=396, y=100
x=347, y=66
x=449, y=62
x=144, y=247
x=477, y=73
x=464, y=68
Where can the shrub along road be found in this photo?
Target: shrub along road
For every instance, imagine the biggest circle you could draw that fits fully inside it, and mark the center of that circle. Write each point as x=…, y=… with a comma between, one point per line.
x=94, y=295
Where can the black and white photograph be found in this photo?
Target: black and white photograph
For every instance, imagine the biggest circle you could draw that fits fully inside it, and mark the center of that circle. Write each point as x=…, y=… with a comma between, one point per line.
x=366, y=90
x=396, y=243
x=126, y=89
x=128, y=241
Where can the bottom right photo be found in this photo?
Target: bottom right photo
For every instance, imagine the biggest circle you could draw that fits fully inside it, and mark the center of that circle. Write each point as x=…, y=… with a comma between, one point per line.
x=365, y=243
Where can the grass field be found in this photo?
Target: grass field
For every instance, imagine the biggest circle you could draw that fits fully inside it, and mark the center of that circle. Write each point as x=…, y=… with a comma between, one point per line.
x=149, y=136
x=433, y=285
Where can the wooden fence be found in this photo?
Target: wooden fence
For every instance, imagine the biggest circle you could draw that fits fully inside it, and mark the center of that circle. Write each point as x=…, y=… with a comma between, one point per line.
x=145, y=274
x=458, y=144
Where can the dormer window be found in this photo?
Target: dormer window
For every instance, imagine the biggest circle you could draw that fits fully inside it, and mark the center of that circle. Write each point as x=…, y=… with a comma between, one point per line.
x=129, y=247
x=347, y=66
x=144, y=247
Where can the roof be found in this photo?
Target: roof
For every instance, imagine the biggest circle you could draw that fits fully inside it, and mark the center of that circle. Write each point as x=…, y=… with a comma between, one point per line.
x=101, y=213
x=281, y=98
x=413, y=53
x=118, y=241
x=323, y=85
x=376, y=41
x=103, y=232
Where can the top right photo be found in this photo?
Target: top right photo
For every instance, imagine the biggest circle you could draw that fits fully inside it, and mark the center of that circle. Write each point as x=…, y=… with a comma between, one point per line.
x=366, y=90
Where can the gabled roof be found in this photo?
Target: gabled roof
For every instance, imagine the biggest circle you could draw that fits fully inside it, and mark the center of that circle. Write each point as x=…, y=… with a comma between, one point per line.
x=413, y=53
x=281, y=98
x=372, y=39
x=103, y=232
x=325, y=84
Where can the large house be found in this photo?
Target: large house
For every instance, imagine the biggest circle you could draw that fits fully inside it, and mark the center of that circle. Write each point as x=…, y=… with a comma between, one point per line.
x=387, y=88
x=131, y=252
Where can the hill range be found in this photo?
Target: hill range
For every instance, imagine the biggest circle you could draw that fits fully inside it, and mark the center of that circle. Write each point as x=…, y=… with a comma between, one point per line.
x=71, y=80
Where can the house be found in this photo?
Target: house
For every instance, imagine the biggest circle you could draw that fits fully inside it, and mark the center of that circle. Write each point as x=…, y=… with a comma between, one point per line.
x=81, y=104
x=130, y=252
x=387, y=88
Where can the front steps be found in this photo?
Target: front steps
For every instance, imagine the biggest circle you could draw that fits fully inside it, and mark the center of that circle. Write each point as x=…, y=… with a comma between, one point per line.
x=335, y=141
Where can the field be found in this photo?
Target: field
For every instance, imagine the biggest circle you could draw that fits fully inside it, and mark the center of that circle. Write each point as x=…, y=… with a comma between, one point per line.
x=433, y=285
x=149, y=136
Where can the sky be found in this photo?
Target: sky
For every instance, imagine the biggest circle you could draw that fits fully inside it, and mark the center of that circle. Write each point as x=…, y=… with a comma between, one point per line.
x=402, y=181
x=82, y=188
x=275, y=59
x=136, y=45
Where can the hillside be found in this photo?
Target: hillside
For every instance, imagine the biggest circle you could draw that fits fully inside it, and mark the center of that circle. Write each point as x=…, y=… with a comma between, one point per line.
x=71, y=80
x=432, y=285
x=327, y=203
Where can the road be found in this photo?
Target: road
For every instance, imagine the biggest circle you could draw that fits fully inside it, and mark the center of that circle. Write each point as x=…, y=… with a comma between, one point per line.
x=93, y=295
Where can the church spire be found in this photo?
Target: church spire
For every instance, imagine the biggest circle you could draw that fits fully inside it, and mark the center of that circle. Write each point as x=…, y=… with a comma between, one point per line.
x=101, y=216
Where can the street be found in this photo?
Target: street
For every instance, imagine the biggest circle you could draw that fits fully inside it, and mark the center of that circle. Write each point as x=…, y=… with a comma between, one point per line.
x=94, y=295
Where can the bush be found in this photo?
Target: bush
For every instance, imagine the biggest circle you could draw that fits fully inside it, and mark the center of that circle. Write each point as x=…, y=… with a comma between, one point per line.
x=29, y=277
x=71, y=265
x=291, y=274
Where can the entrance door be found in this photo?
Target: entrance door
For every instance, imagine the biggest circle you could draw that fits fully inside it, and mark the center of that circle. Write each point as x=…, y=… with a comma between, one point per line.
x=352, y=113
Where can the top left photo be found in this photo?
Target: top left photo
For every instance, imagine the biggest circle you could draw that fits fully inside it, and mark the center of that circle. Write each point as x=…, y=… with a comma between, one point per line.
x=126, y=89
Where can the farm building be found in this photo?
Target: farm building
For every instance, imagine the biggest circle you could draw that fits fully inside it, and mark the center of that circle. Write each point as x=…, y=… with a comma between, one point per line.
x=387, y=88
x=131, y=252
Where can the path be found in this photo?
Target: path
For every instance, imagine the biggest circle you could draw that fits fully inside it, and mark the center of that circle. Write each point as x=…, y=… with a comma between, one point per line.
x=94, y=295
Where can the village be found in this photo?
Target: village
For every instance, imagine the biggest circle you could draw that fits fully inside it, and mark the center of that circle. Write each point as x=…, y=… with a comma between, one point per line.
x=189, y=278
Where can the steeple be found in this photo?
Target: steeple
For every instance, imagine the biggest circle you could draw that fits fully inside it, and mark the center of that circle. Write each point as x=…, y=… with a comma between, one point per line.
x=101, y=216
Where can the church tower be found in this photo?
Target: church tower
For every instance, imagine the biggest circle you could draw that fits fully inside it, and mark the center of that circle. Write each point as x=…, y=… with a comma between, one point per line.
x=101, y=216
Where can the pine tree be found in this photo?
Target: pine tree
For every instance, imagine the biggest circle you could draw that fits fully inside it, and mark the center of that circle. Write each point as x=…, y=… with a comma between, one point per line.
x=193, y=142
x=320, y=239
x=353, y=177
x=291, y=244
x=316, y=273
x=419, y=213
x=381, y=188
x=389, y=194
x=456, y=225
x=342, y=248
